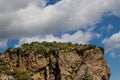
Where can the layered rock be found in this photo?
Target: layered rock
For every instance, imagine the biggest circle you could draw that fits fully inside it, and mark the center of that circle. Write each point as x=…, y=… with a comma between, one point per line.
x=56, y=61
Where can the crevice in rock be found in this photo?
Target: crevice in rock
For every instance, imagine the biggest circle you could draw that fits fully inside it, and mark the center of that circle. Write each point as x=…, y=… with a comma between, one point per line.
x=57, y=69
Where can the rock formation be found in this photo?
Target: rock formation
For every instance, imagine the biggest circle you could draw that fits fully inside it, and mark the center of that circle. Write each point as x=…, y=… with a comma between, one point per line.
x=54, y=61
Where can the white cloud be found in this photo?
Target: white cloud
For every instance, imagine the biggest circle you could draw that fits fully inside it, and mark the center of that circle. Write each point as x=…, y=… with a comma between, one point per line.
x=74, y=38
x=3, y=43
x=116, y=12
x=112, y=42
x=25, y=18
x=63, y=16
x=42, y=3
x=112, y=45
x=11, y=6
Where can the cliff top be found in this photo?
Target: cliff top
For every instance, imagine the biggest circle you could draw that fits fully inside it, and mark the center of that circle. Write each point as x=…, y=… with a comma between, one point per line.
x=46, y=47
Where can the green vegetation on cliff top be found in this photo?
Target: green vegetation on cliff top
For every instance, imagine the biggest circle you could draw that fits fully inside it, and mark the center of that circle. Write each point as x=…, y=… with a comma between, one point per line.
x=47, y=47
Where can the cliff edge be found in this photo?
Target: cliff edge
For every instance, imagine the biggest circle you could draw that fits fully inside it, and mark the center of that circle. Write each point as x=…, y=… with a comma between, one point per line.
x=54, y=61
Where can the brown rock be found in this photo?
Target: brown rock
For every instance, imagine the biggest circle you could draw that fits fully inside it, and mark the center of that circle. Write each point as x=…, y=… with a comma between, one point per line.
x=66, y=64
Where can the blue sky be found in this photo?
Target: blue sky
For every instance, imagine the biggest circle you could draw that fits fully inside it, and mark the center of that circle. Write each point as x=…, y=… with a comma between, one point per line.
x=81, y=21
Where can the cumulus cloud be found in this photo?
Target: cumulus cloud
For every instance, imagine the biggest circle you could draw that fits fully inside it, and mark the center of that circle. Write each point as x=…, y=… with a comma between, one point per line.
x=42, y=3
x=116, y=12
x=112, y=42
x=77, y=37
x=25, y=18
x=10, y=6
x=112, y=45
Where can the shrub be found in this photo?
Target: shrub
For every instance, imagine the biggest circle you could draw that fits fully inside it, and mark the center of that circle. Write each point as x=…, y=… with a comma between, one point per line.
x=18, y=75
x=9, y=50
x=4, y=68
x=86, y=47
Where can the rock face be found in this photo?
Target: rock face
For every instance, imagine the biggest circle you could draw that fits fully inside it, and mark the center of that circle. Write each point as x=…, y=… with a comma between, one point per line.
x=54, y=61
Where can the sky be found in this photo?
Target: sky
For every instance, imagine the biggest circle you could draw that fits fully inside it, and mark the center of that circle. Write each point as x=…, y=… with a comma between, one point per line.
x=77, y=21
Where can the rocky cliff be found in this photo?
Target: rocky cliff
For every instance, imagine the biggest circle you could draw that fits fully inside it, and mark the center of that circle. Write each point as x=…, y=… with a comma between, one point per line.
x=54, y=61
